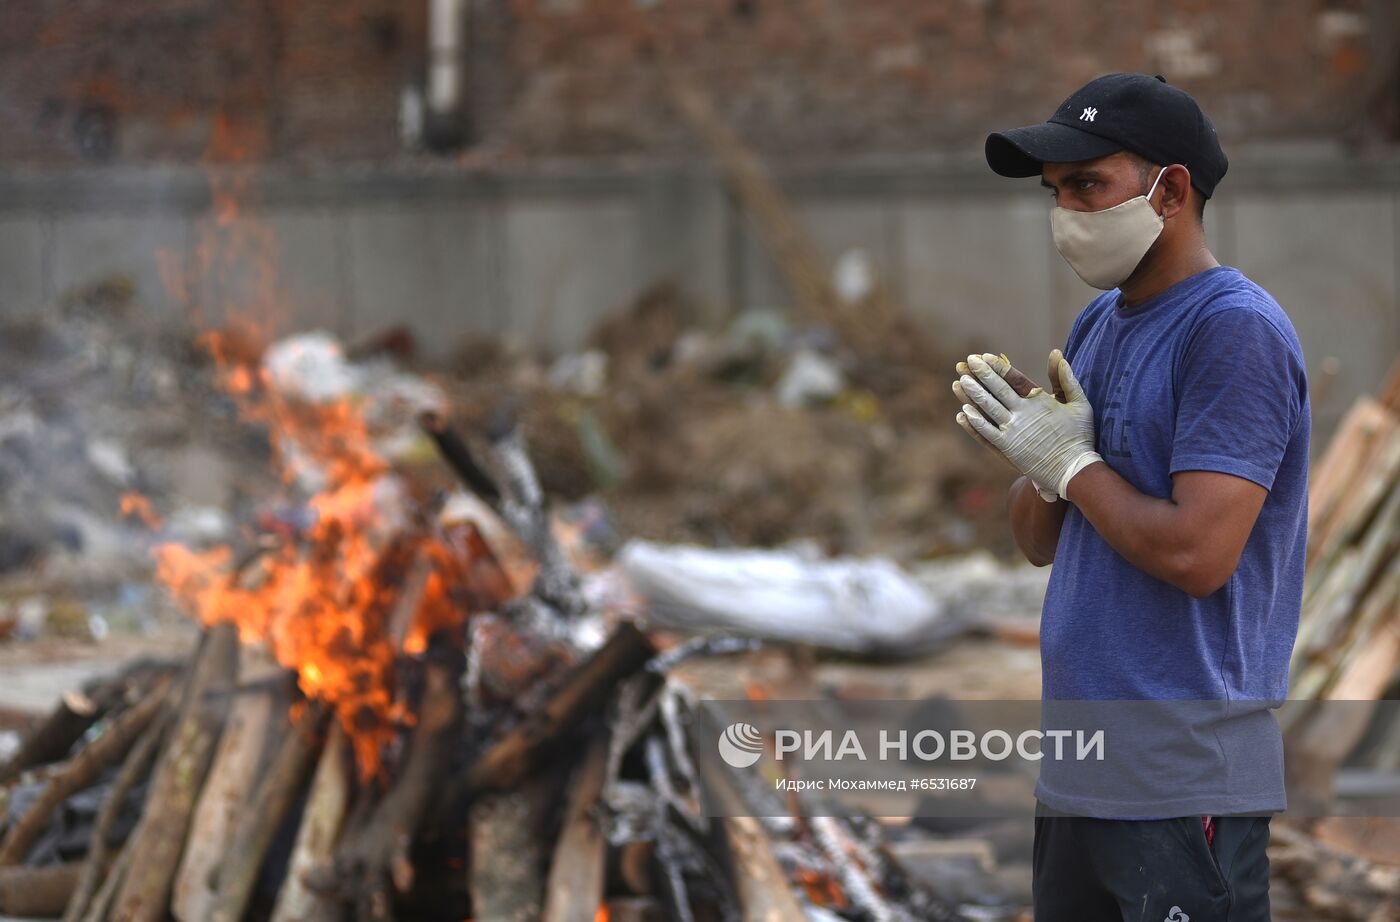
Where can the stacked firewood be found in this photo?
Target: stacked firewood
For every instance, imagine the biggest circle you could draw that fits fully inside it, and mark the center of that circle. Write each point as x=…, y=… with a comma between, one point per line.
x=1348, y=644
x=529, y=776
x=234, y=787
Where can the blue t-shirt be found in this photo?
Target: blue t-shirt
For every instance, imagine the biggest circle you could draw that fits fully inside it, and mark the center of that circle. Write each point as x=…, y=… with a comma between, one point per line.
x=1206, y=376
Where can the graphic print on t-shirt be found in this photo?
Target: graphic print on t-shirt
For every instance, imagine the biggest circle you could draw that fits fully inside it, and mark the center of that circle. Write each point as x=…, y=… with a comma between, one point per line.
x=1113, y=431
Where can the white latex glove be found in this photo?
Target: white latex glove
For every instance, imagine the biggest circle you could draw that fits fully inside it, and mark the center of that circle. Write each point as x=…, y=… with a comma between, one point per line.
x=1001, y=365
x=1045, y=439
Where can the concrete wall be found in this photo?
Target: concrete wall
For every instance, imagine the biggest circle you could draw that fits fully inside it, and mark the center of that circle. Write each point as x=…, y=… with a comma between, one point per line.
x=543, y=253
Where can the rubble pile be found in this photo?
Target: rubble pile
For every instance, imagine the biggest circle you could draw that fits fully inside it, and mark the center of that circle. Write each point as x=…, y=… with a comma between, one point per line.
x=755, y=434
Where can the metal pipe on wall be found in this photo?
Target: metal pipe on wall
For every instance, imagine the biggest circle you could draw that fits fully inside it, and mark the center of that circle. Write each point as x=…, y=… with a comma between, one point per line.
x=446, y=79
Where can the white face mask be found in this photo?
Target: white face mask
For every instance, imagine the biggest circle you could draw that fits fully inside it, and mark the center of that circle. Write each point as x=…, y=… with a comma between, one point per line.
x=1104, y=247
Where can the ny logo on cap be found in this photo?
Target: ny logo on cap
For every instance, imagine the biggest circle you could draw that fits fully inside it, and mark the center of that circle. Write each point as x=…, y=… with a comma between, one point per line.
x=1088, y=114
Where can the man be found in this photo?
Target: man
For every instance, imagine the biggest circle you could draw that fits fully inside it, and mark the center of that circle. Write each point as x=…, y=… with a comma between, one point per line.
x=1165, y=476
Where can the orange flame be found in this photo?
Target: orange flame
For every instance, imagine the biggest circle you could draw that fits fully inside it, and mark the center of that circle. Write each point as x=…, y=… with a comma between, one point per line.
x=820, y=889
x=332, y=601
x=329, y=604
x=134, y=505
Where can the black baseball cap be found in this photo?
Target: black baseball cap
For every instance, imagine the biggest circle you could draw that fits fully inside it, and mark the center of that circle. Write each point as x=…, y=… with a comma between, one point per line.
x=1134, y=112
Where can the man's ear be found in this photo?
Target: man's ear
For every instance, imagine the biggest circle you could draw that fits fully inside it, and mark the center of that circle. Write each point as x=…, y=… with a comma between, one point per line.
x=1175, y=190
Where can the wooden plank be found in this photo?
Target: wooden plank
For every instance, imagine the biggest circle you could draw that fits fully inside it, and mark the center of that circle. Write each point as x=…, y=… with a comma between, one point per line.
x=1364, y=675
x=575, y=887
x=763, y=888
x=1365, y=439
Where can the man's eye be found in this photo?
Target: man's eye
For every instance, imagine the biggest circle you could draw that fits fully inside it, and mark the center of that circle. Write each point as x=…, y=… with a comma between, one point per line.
x=1085, y=185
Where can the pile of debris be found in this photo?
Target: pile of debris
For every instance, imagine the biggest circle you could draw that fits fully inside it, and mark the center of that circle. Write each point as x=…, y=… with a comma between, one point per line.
x=762, y=432
x=756, y=434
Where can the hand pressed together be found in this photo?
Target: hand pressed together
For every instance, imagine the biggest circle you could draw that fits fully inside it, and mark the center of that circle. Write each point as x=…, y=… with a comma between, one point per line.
x=1047, y=436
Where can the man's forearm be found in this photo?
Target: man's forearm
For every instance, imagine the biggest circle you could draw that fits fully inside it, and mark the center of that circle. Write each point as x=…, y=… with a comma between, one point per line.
x=1158, y=536
x=1035, y=524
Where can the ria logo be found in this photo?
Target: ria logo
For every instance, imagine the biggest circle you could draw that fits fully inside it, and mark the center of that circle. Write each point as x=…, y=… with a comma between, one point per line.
x=1176, y=915
x=740, y=745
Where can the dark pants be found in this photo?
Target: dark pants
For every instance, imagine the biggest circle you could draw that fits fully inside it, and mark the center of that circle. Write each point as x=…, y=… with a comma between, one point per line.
x=1089, y=870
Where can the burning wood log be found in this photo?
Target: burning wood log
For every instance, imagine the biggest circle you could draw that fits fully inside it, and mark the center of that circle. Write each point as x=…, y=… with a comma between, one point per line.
x=376, y=854
x=137, y=764
x=77, y=774
x=520, y=502
x=315, y=842
x=523, y=507
x=854, y=878
x=276, y=793
x=156, y=845
x=229, y=786
x=459, y=457
x=868, y=840
x=582, y=693
x=509, y=876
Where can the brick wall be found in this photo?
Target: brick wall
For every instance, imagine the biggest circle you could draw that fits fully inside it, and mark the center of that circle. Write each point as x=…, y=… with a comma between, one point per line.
x=800, y=76
x=321, y=79
x=155, y=79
